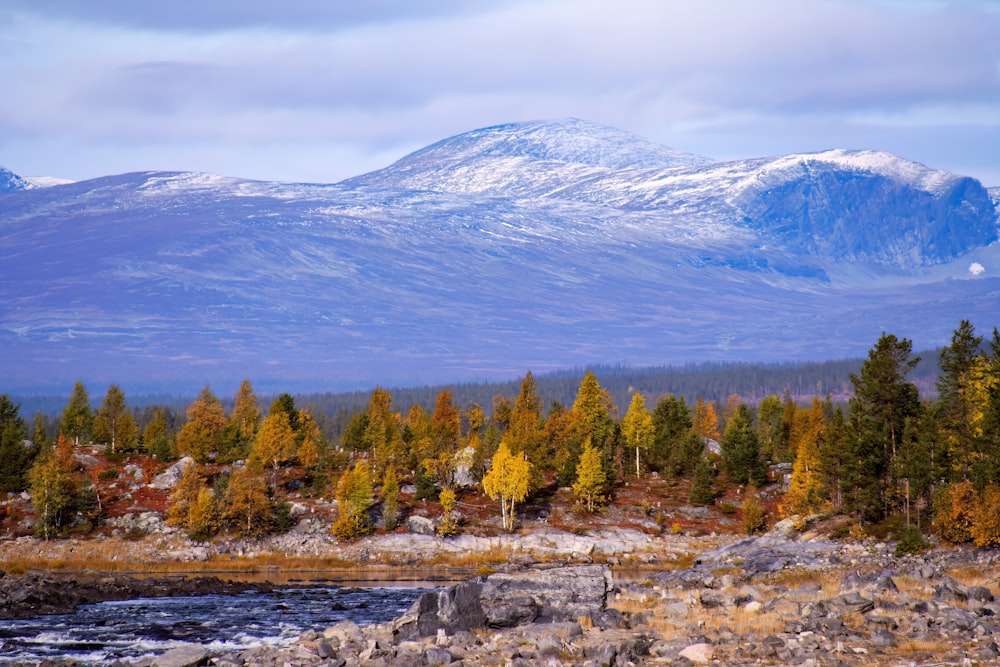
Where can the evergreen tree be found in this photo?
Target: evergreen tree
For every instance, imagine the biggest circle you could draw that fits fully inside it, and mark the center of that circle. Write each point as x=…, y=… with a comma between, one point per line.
x=773, y=443
x=672, y=426
x=703, y=485
x=962, y=395
x=156, y=436
x=883, y=402
x=741, y=449
x=15, y=456
x=77, y=420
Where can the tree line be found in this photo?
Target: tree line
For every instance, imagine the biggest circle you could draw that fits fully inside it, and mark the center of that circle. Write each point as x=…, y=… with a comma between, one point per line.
x=884, y=453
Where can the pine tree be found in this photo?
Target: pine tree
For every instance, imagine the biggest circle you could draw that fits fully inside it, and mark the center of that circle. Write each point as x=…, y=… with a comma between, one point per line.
x=156, y=436
x=77, y=420
x=637, y=427
x=703, y=485
x=15, y=456
x=590, y=478
x=508, y=481
x=962, y=395
x=673, y=427
x=741, y=449
x=883, y=403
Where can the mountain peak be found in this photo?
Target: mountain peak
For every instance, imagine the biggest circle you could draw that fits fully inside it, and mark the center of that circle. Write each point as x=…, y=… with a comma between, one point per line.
x=568, y=140
x=11, y=182
x=529, y=157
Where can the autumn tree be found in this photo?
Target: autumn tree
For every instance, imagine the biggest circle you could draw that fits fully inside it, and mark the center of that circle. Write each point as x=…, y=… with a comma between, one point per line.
x=243, y=423
x=508, y=481
x=590, y=478
x=706, y=420
x=53, y=489
x=523, y=433
x=354, y=498
x=77, y=419
x=113, y=423
x=311, y=443
x=275, y=442
x=184, y=494
x=248, y=507
x=448, y=525
x=202, y=434
x=637, y=427
x=806, y=491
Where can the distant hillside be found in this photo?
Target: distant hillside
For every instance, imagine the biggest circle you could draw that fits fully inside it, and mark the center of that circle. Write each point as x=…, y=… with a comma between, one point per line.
x=542, y=245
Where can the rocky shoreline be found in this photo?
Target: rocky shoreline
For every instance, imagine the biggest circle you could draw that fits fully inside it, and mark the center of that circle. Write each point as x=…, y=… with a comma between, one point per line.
x=785, y=598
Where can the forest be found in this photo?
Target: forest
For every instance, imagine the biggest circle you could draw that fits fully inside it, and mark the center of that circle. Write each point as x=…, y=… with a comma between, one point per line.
x=881, y=449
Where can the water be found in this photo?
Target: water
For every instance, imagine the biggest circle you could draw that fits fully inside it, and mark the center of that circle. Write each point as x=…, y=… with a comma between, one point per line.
x=132, y=629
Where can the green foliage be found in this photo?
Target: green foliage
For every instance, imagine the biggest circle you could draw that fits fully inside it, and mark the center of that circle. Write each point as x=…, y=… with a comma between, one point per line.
x=53, y=492
x=741, y=449
x=703, y=490
x=77, y=420
x=15, y=456
x=672, y=431
x=114, y=424
x=910, y=540
x=883, y=403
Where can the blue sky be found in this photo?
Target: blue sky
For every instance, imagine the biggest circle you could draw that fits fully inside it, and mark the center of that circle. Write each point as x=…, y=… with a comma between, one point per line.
x=320, y=90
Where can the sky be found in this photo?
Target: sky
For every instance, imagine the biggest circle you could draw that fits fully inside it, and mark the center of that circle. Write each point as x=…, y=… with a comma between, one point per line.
x=321, y=90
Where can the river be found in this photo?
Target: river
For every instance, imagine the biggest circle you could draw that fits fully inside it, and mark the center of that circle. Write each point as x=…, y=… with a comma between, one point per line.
x=131, y=629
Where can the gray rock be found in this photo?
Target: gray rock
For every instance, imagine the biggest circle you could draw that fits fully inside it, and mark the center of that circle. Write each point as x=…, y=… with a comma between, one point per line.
x=420, y=525
x=181, y=656
x=848, y=603
x=170, y=477
x=559, y=594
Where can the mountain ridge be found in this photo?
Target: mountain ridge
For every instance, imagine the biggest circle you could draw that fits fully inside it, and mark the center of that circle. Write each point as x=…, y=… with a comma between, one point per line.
x=181, y=277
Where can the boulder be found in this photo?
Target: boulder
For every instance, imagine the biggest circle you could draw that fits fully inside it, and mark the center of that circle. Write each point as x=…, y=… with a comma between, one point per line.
x=182, y=656
x=700, y=653
x=420, y=525
x=170, y=477
x=505, y=600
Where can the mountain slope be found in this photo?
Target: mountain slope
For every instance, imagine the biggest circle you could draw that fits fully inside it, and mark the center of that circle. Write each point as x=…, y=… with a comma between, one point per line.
x=624, y=253
x=11, y=182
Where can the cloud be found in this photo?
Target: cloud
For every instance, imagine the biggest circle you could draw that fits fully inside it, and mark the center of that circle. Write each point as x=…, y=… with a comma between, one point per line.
x=720, y=77
x=976, y=268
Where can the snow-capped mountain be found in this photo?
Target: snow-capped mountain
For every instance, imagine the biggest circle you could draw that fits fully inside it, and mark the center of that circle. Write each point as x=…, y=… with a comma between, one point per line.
x=11, y=182
x=525, y=246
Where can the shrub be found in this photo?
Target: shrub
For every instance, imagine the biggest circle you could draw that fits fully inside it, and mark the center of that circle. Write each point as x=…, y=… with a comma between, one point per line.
x=986, y=518
x=910, y=541
x=108, y=474
x=754, y=516
x=954, y=509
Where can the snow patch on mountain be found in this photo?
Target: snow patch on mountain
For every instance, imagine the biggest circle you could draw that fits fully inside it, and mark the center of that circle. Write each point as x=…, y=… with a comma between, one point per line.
x=11, y=182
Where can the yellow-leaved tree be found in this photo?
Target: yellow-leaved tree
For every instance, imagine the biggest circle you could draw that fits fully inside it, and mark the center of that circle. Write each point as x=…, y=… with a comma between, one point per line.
x=637, y=427
x=590, y=477
x=508, y=481
x=806, y=492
